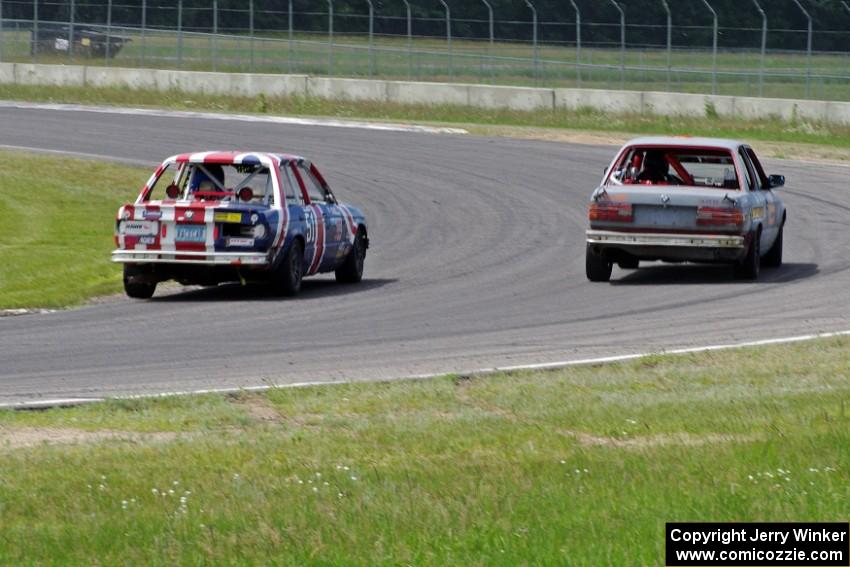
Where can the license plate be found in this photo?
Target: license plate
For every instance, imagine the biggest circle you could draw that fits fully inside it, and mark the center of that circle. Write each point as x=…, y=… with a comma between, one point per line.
x=227, y=217
x=649, y=215
x=191, y=233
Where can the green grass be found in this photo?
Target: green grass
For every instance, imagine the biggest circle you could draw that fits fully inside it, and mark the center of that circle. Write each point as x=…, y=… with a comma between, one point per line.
x=56, y=225
x=509, y=63
x=580, y=466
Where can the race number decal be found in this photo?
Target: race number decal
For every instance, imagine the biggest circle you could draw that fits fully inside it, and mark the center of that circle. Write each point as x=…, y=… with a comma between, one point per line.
x=311, y=229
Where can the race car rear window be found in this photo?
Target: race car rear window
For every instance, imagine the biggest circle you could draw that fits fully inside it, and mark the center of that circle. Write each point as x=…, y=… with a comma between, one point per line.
x=696, y=167
x=213, y=181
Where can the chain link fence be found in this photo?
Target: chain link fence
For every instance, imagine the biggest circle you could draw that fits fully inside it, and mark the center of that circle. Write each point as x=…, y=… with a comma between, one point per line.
x=403, y=40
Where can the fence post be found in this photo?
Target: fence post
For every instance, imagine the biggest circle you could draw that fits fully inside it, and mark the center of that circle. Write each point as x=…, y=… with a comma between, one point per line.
x=180, y=34
x=71, y=10
x=330, y=37
x=449, y=35
x=144, y=25
x=578, y=42
x=763, y=45
x=669, y=41
x=622, y=43
x=808, y=48
x=1, y=30
x=409, y=40
x=34, y=45
x=251, y=30
x=215, y=36
x=289, y=32
x=491, y=34
x=534, y=37
x=371, y=38
x=108, y=51
x=490, y=20
x=713, y=48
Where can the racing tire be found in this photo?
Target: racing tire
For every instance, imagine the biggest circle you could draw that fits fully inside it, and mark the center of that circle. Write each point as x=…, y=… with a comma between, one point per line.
x=286, y=278
x=773, y=257
x=597, y=267
x=351, y=269
x=748, y=268
x=630, y=263
x=137, y=289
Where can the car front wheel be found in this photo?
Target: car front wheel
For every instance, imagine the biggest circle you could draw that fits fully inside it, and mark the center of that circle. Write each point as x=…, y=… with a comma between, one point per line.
x=597, y=267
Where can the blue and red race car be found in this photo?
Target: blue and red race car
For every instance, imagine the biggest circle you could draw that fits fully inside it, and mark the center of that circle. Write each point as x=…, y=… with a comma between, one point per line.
x=211, y=217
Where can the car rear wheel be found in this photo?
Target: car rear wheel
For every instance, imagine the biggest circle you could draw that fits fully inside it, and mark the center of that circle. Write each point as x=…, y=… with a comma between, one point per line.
x=597, y=267
x=773, y=258
x=748, y=268
x=351, y=270
x=286, y=278
x=135, y=286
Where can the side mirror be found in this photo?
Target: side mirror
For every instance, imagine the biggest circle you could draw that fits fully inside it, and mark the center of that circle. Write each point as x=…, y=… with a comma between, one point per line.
x=776, y=181
x=172, y=191
x=604, y=170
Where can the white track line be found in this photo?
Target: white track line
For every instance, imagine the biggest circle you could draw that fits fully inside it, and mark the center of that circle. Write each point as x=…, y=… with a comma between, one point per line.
x=63, y=402
x=331, y=123
x=68, y=153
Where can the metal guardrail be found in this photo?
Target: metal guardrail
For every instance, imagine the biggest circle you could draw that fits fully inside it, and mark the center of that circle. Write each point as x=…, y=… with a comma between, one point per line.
x=670, y=55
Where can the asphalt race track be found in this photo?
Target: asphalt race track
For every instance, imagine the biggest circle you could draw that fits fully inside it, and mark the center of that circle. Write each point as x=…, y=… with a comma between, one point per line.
x=477, y=260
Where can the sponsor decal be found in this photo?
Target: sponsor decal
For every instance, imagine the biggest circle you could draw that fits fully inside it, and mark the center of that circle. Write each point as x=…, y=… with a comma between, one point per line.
x=147, y=240
x=225, y=217
x=138, y=228
x=758, y=212
x=151, y=215
x=191, y=233
x=189, y=215
x=234, y=241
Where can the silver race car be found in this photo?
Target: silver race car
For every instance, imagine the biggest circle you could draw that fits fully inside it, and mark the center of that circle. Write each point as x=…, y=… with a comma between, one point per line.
x=685, y=200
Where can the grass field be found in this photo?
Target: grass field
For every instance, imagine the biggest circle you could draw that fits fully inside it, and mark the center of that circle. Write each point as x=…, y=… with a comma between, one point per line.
x=509, y=63
x=56, y=224
x=579, y=467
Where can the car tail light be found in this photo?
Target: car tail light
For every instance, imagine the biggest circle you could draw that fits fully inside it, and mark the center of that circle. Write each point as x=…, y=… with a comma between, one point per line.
x=719, y=216
x=608, y=211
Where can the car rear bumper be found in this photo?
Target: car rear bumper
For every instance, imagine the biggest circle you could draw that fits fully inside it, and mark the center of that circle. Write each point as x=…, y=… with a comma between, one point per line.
x=667, y=247
x=658, y=239
x=190, y=257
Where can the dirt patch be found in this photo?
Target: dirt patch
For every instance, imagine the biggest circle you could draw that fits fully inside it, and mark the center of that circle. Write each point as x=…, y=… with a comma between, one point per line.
x=260, y=409
x=554, y=135
x=20, y=437
x=796, y=151
x=661, y=440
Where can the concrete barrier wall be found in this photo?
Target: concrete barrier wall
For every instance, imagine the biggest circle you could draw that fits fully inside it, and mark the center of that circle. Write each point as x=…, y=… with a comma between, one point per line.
x=408, y=92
